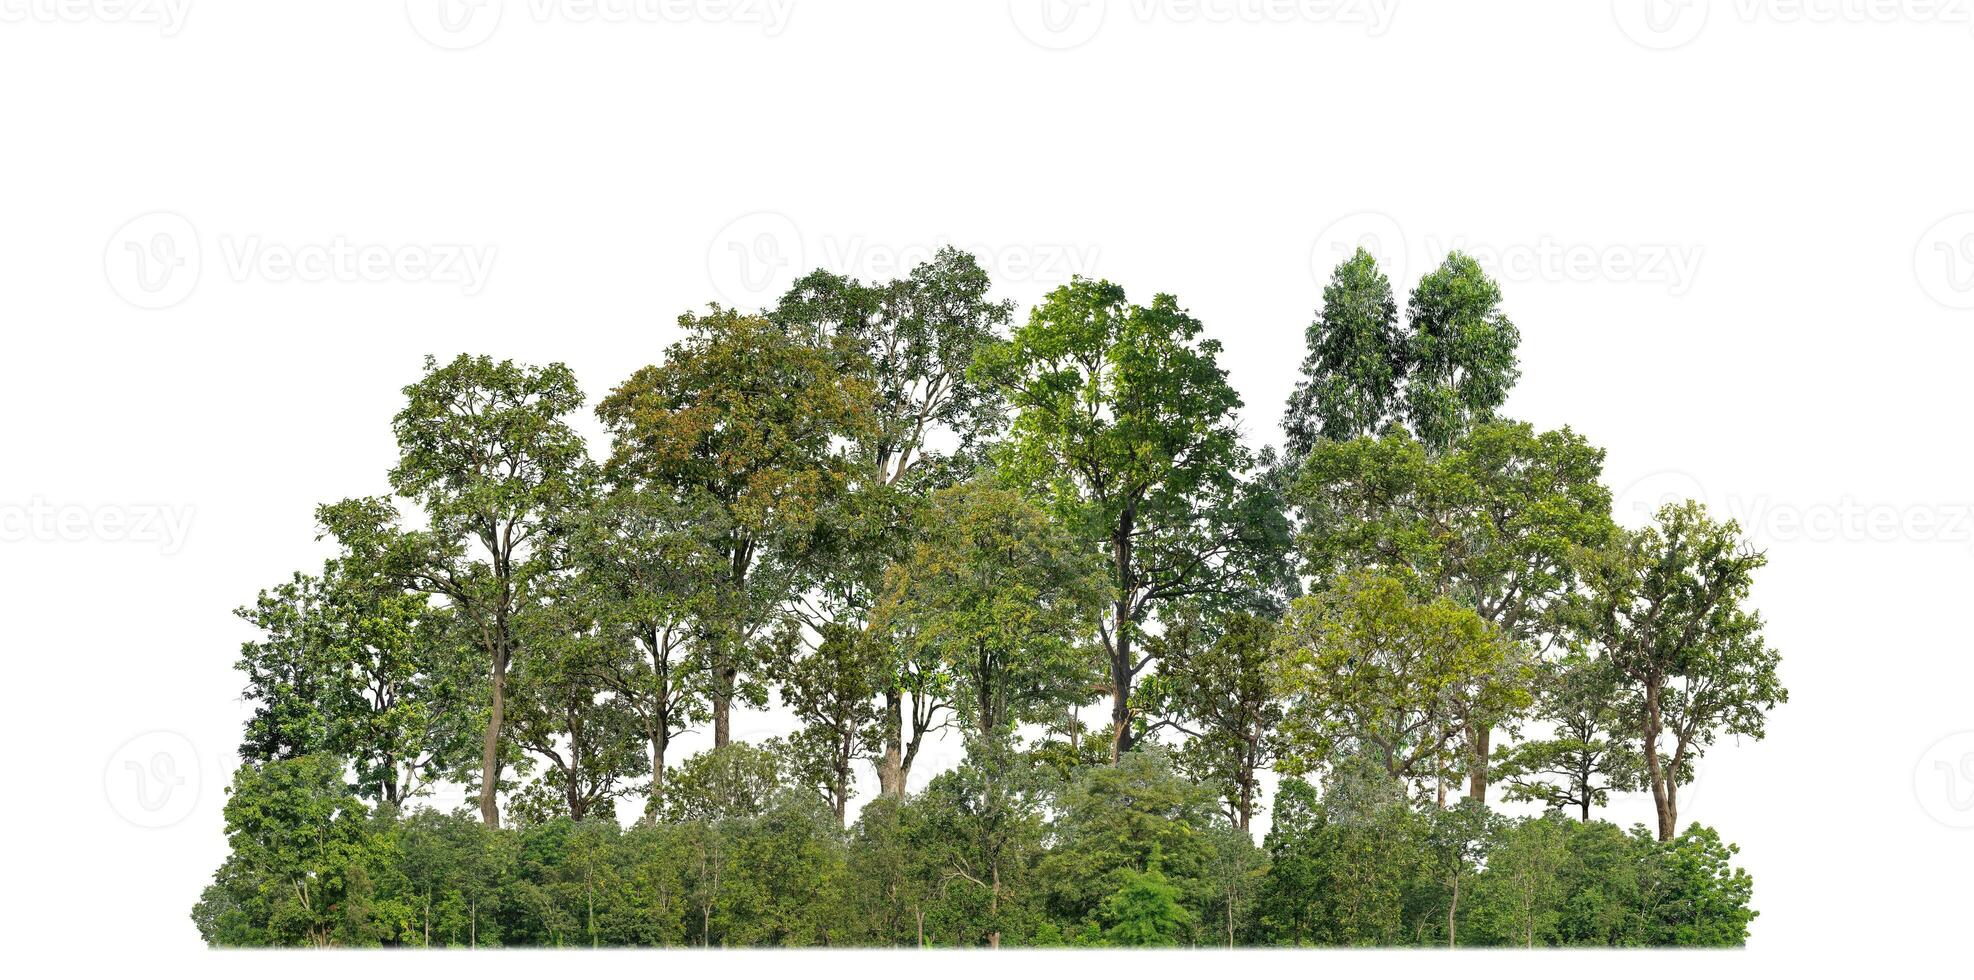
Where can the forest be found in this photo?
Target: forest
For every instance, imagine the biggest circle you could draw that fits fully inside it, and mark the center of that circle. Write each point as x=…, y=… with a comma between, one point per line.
x=904, y=517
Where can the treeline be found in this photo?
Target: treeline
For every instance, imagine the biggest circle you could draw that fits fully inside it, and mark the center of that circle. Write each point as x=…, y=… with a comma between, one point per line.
x=896, y=513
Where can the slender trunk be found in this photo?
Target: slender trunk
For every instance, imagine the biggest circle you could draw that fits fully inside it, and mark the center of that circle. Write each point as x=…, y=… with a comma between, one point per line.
x=1452, y=911
x=1481, y=736
x=1585, y=804
x=1120, y=656
x=490, y=750
x=1655, y=769
x=655, y=805
x=890, y=765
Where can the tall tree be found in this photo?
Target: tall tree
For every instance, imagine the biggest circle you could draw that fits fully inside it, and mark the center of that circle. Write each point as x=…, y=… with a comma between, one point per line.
x=1460, y=349
x=1356, y=363
x=913, y=340
x=742, y=421
x=1669, y=608
x=486, y=453
x=1496, y=524
x=1126, y=426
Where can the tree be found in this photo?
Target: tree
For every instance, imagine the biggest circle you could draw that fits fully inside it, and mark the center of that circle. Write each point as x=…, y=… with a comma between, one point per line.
x=1496, y=523
x=832, y=690
x=1367, y=668
x=1125, y=425
x=486, y=454
x=1521, y=894
x=913, y=340
x=1356, y=363
x=1587, y=754
x=1456, y=840
x=740, y=422
x=1216, y=684
x=1701, y=899
x=1668, y=608
x=641, y=561
x=995, y=594
x=1115, y=821
x=564, y=714
x=1145, y=910
x=294, y=875
x=1460, y=351
x=733, y=782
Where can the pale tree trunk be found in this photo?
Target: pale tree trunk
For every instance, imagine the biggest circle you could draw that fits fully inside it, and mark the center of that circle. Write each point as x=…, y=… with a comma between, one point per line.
x=490, y=762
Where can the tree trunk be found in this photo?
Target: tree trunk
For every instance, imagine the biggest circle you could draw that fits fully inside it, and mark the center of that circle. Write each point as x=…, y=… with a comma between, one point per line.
x=890, y=765
x=655, y=805
x=1662, y=801
x=1452, y=912
x=490, y=750
x=723, y=706
x=1481, y=737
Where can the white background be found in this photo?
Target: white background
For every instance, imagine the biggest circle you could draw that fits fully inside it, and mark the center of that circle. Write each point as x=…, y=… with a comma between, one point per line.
x=1736, y=240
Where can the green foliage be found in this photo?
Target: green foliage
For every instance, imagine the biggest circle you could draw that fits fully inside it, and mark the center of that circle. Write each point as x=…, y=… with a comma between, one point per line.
x=1460, y=351
x=829, y=504
x=1357, y=360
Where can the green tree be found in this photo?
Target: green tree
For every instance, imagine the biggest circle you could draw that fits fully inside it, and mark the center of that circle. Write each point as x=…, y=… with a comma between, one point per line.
x=1368, y=669
x=1216, y=684
x=1519, y=898
x=1145, y=910
x=641, y=562
x=486, y=453
x=1587, y=754
x=913, y=340
x=294, y=875
x=1356, y=363
x=1125, y=424
x=1497, y=524
x=996, y=594
x=1460, y=350
x=1113, y=821
x=1668, y=608
x=740, y=423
